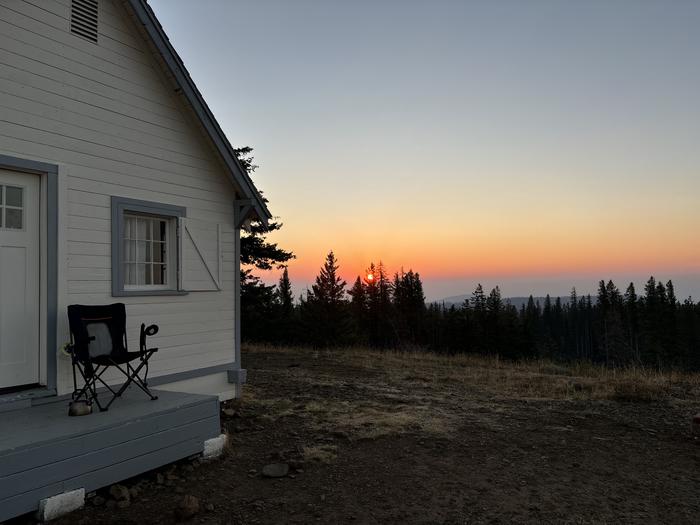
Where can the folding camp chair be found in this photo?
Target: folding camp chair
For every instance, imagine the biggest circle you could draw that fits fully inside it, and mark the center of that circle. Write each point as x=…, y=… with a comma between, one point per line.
x=98, y=342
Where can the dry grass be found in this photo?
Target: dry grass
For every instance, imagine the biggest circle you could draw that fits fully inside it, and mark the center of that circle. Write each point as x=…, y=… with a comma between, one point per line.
x=270, y=408
x=537, y=378
x=320, y=453
x=370, y=420
x=391, y=412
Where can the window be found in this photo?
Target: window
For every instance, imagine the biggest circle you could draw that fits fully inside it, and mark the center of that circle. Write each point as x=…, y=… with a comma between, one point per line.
x=147, y=254
x=145, y=247
x=11, y=207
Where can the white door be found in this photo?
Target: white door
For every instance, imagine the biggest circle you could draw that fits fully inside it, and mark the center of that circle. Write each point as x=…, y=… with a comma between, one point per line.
x=19, y=279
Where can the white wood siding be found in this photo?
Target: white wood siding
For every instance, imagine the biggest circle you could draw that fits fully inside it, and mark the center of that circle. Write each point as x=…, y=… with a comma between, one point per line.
x=106, y=114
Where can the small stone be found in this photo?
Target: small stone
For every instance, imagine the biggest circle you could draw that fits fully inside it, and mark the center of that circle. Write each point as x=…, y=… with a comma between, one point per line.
x=110, y=504
x=134, y=492
x=119, y=492
x=98, y=501
x=188, y=507
x=188, y=468
x=123, y=504
x=275, y=470
x=252, y=471
x=160, y=479
x=209, y=507
x=229, y=412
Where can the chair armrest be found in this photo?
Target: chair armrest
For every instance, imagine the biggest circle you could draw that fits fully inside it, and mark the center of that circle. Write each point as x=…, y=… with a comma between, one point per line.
x=146, y=332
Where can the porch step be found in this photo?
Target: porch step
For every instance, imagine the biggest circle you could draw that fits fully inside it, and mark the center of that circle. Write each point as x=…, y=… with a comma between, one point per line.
x=44, y=452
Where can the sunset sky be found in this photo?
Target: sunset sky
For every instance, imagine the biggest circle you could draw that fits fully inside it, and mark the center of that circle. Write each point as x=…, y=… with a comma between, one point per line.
x=535, y=145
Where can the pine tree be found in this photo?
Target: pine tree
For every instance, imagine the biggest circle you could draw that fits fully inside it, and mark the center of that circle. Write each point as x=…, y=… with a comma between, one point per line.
x=493, y=329
x=358, y=310
x=479, y=319
x=479, y=299
x=574, y=327
x=632, y=321
x=325, y=307
x=284, y=293
x=651, y=330
x=409, y=306
x=258, y=303
x=257, y=298
x=329, y=288
x=670, y=322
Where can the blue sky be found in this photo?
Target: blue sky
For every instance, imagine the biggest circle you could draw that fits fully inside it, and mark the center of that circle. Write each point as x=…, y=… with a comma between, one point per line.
x=530, y=144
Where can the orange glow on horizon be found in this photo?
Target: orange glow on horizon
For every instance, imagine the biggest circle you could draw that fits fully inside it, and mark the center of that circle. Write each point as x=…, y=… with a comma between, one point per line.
x=533, y=242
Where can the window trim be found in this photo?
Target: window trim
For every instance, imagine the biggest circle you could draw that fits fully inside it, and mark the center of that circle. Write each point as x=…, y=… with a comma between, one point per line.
x=122, y=205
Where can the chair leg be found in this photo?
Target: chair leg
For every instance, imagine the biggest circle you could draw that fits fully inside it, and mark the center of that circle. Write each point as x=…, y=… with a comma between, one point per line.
x=89, y=390
x=132, y=376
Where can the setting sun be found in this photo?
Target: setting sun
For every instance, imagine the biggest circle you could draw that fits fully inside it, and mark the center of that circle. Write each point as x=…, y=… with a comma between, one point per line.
x=370, y=277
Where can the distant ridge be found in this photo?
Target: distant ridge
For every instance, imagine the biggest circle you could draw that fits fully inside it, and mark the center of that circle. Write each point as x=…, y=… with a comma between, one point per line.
x=515, y=301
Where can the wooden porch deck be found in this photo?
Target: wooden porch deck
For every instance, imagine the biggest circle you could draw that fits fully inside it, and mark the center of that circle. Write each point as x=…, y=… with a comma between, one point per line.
x=44, y=452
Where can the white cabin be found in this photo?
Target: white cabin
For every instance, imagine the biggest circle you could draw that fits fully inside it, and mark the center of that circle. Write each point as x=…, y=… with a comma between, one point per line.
x=116, y=185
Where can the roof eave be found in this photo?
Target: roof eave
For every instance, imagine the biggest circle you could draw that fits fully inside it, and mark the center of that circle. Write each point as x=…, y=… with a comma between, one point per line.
x=172, y=60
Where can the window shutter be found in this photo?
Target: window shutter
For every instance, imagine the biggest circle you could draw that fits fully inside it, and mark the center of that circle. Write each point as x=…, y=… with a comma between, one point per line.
x=200, y=256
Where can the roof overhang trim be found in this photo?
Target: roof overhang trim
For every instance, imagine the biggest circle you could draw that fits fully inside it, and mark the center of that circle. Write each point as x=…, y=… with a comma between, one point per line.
x=172, y=60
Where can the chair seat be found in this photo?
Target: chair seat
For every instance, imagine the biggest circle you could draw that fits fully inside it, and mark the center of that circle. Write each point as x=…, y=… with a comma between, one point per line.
x=120, y=359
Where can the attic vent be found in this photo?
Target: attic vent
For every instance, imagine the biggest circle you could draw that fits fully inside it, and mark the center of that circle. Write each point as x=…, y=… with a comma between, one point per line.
x=83, y=19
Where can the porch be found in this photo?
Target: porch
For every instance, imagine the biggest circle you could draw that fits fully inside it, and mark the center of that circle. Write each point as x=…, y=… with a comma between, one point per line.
x=44, y=452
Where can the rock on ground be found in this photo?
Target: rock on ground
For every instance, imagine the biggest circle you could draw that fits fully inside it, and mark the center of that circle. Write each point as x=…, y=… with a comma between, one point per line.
x=275, y=470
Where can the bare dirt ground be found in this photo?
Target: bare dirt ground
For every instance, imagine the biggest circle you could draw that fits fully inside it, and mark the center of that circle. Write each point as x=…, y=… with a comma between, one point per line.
x=415, y=438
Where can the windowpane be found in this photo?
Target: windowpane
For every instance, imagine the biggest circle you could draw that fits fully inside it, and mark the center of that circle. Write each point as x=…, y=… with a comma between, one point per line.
x=130, y=227
x=1, y=213
x=148, y=277
x=129, y=274
x=1, y=194
x=13, y=219
x=158, y=252
x=162, y=231
x=159, y=275
x=128, y=255
x=13, y=196
x=140, y=274
x=140, y=252
x=141, y=225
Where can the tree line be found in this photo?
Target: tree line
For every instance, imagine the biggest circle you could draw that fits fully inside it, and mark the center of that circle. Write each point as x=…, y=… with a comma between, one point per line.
x=618, y=328
x=651, y=328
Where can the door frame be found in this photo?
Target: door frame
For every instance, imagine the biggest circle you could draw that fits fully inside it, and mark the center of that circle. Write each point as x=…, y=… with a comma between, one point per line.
x=48, y=254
